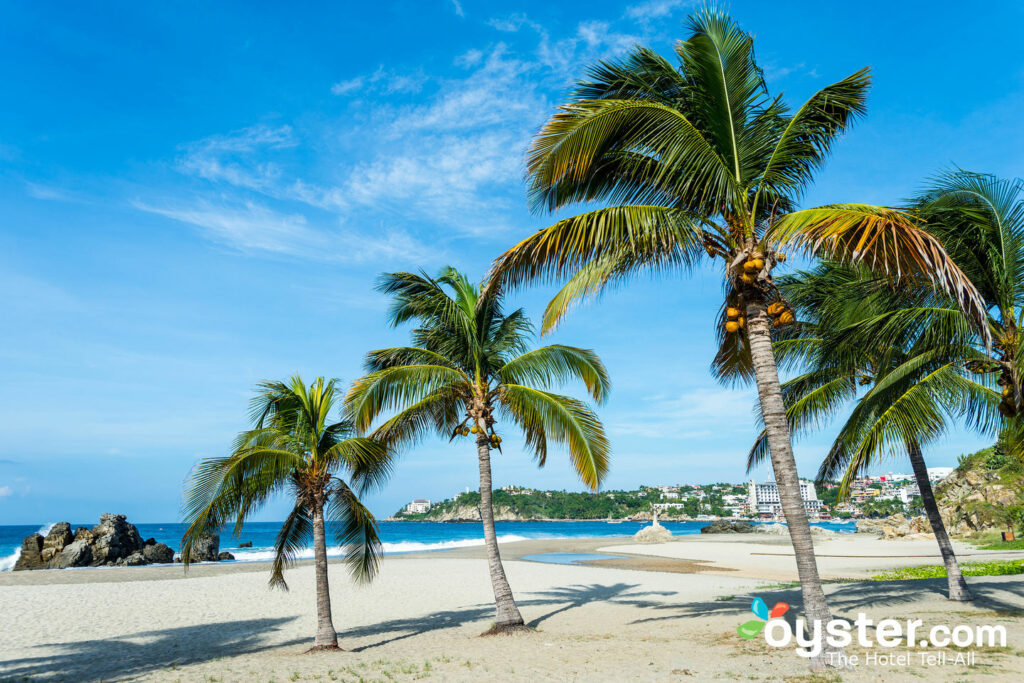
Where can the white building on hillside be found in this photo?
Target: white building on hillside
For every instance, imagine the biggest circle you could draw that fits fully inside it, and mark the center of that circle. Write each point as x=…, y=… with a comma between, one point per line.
x=936, y=474
x=418, y=506
x=763, y=498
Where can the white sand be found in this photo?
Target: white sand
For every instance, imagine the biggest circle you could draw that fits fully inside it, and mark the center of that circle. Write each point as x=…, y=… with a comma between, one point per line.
x=847, y=556
x=421, y=618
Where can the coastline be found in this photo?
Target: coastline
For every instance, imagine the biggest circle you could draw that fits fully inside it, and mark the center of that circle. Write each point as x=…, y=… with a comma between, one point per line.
x=653, y=613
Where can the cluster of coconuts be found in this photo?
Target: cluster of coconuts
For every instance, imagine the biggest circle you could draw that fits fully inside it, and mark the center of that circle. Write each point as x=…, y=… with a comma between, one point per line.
x=754, y=265
x=466, y=431
x=734, y=322
x=1008, y=406
x=780, y=313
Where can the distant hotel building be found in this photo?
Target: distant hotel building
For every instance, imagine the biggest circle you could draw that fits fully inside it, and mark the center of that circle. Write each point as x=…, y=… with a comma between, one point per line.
x=418, y=506
x=763, y=498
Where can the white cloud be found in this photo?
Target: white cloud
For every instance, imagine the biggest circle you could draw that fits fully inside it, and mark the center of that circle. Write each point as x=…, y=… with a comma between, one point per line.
x=655, y=9
x=382, y=81
x=251, y=227
x=5, y=491
x=458, y=8
x=697, y=414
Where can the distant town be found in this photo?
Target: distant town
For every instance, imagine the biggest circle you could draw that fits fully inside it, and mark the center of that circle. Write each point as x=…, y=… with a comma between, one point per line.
x=873, y=496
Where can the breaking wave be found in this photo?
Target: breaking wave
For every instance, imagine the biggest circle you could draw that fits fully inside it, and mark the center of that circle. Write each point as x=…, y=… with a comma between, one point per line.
x=266, y=554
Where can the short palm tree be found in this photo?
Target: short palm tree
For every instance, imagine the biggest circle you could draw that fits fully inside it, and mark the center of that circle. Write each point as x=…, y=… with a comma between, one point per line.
x=471, y=364
x=697, y=160
x=917, y=387
x=295, y=449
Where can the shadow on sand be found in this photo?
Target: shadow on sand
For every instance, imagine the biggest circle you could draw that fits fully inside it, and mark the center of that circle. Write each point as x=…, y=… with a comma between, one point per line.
x=125, y=657
x=846, y=599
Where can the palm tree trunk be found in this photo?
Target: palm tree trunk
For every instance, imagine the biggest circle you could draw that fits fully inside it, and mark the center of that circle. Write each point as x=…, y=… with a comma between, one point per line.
x=957, y=585
x=326, y=636
x=508, y=618
x=776, y=425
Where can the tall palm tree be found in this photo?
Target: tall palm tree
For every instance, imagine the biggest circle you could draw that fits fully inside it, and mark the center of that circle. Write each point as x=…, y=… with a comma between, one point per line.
x=295, y=448
x=980, y=219
x=701, y=159
x=917, y=387
x=470, y=364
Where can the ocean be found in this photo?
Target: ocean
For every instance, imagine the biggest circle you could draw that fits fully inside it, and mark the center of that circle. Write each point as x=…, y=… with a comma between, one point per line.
x=397, y=537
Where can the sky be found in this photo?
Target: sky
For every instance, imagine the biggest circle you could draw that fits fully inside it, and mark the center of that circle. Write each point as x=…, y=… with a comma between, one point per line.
x=195, y=197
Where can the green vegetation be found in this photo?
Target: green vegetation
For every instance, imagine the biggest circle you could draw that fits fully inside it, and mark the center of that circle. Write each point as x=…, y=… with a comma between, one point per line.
x=527, y=504
x=936, y=571
x=471, y=363
x=875, y=508
x=295, y=449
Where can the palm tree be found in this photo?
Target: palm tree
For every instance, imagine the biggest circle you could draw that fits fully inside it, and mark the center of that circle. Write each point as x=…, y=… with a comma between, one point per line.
x=294, y=448
x=469, y=364
x=917, y=386
x=980, y=219
x=701, y=159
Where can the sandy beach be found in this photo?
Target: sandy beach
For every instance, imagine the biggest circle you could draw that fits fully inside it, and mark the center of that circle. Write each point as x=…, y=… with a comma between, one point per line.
x=658, y=612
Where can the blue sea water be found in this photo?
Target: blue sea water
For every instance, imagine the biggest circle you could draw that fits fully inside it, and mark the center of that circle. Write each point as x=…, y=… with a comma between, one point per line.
x=397, y=537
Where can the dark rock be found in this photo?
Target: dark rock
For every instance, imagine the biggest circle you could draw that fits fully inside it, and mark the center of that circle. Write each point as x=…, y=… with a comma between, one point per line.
x=724, y=526
x=206, y=548
x=31, y=554
x=116, y=539
x=149, y=541
x=60, y=535
x=247, y=544
x=158, y=553
x=135, y=559
x=225, y=556
x=75, y=554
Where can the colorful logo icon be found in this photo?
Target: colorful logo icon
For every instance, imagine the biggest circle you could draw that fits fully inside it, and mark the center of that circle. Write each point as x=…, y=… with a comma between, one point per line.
x=750, y=629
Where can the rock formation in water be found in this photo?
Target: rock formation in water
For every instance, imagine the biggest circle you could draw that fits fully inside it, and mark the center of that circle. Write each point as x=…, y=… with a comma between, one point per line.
x=112, y=542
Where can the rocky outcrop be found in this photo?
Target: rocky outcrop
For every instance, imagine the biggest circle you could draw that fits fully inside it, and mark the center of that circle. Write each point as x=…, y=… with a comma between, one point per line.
x=112, y=542
x=724, y=526
x=158, y=553
x=976, y=500
x=206, y=548
x=783, y=530
x=31, y=554
x=896, y=526
x=225, y=556
x=655, y=533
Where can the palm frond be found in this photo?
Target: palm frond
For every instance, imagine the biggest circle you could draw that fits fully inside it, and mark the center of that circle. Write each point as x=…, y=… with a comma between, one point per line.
x=357, y=532
x=885, y=240
x=295, y=535
x=564, y=420
x=556, y=364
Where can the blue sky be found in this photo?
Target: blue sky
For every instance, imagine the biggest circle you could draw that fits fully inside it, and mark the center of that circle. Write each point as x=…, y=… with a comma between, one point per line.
x=194, y=198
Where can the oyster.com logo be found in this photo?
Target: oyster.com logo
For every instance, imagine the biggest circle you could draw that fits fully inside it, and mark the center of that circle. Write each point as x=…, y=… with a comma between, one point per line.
x=751, y=629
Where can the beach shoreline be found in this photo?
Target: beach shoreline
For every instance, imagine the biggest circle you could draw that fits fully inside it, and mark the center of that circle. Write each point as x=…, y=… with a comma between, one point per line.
x=653, y=612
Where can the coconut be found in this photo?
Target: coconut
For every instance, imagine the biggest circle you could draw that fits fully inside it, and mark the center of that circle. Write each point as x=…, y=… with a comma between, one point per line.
x=780, y=257
x=785, y=317
x=747, y=278
x=474, y=429
x=732, y=326
x=732, y=313
x=757, y=263
x=751, y=266
x=775, y=308
x=742, y=322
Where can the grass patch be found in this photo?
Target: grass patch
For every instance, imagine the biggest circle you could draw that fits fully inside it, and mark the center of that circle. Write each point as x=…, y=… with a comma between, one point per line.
x=1003, y=545
x=938, y=571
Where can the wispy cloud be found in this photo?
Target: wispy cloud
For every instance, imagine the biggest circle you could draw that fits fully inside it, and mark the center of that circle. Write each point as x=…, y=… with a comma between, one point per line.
x=458, y=8
x=251, y=227
x=697, y=414
x=382, y=81
x=656, y=9
x=5, y=491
